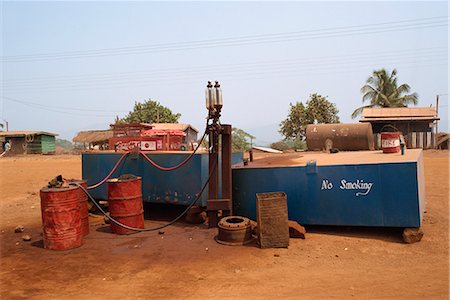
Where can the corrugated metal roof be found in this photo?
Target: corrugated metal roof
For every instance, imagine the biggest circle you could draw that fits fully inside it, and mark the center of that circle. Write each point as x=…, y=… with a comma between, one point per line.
x=24, y=133
x=173, y=126
x=398, y=119
x=399, y=114
x=92, y=136
x=268, y=150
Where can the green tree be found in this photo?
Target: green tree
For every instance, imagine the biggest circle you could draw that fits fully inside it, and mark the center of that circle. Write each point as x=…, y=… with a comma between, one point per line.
x=381, y=90
x=240, y=139
x=149, y=112
x=317, y=110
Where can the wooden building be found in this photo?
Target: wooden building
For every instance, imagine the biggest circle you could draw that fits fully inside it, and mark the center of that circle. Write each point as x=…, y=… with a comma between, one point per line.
x=29, y=142
x=191, y=132
x=417, y=124
x=93, y=139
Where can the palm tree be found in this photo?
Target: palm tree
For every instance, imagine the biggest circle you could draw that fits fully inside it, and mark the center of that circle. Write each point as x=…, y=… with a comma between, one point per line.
x=382, y=91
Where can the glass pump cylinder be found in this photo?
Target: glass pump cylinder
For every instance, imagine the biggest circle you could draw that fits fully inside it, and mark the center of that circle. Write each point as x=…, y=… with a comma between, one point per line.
x=218, y=99
x=210, y=95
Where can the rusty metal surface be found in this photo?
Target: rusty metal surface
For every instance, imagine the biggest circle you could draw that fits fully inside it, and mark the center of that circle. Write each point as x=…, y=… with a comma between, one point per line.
x=219, y=204
x=234, y=231
x=61, y=219
x=272, y=218
x=125, y=204
x=226, y=168
x=346, y=137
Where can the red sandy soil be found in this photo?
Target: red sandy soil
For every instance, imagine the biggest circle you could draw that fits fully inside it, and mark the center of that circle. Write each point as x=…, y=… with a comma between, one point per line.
x=185, y=262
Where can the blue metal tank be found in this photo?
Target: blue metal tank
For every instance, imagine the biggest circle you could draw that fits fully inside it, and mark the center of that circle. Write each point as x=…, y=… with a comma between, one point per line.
x=363, y=188
x=172, y=187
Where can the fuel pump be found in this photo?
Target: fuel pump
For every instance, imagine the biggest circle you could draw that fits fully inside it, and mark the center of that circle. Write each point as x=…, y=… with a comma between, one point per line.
x=218, y=207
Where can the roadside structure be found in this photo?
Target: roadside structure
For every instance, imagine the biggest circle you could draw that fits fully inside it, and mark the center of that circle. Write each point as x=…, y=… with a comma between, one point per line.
x=190, y=131
x=92, y=139
x=417, y=124
x=29, y=142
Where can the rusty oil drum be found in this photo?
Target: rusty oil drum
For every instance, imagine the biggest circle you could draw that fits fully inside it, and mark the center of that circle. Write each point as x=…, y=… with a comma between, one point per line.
x=84, y=209
x=61, y=219
x=125, y=204
x=390, y=142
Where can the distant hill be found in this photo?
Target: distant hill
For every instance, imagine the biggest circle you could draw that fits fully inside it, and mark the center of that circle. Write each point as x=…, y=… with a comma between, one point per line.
x=65, y=144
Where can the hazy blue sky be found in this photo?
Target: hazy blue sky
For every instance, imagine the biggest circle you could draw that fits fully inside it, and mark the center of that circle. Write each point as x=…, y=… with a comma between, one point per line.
x=71, y=66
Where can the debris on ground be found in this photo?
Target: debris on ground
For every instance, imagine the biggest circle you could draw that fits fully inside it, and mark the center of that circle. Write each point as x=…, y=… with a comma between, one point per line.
x=195, y=215
x=272, y=218
x=296, y=230
x=254, y=226
x=57, y=182
x=26, y=238
x=412, y=235
x=19, y=228
x=127, y=177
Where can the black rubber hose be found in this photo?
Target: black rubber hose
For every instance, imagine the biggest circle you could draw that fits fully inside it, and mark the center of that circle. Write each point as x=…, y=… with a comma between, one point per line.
x=147, y=229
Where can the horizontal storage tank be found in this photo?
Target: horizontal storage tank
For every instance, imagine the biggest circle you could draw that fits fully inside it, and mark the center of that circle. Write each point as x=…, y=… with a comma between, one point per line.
x=345, y=137
x=358, y=188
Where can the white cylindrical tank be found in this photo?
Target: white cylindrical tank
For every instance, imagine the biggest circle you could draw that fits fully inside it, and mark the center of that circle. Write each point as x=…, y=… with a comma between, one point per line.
x=218, y=91
x=210, y=95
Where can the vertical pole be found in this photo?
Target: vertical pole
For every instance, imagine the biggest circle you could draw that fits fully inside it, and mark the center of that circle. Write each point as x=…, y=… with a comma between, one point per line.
x=436, y=128
x=213, y=189
x=213, y=161
x=226, y=168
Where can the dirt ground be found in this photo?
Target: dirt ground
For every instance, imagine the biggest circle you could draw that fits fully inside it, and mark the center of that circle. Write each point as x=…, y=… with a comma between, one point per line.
x=185, y=262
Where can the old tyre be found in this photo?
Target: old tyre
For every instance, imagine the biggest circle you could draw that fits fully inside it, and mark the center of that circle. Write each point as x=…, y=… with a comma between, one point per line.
x=234, y=231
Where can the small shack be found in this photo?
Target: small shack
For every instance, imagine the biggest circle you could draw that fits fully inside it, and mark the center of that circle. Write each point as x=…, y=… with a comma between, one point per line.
x=190, y=131
x=29, y=142
x=417, y=124
x=92, y=139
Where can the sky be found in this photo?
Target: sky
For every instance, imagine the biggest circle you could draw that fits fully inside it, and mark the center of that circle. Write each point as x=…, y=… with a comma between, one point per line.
x=72, y=66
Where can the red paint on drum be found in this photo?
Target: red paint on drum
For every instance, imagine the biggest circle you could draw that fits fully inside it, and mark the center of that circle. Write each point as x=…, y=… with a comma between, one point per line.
x=84, y=208
x=125, y=204
x=390, y=142
x=61, y=219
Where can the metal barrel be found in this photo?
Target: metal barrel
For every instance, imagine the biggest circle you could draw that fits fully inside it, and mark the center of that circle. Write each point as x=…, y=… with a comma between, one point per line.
x=84, y=208
x=345, y=137
x=61, y=219
x=390, y=142
x=125, y=204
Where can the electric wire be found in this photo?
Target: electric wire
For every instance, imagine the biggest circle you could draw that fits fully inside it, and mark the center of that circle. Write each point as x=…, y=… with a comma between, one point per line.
x=90, y=77
x=232, y=74
x=48, y=108
x=38, y=105
x=239, y=41
x=318, y=61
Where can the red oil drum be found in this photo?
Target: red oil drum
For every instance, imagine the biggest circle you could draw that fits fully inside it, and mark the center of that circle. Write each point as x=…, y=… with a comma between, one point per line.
x=390, y=142
x=61, y=219
x=84, y=209
x=125, y=204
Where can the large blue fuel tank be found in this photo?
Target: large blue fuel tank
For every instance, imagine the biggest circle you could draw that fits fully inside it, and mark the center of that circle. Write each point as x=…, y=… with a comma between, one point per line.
x=172, y=187
x=362, y=188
